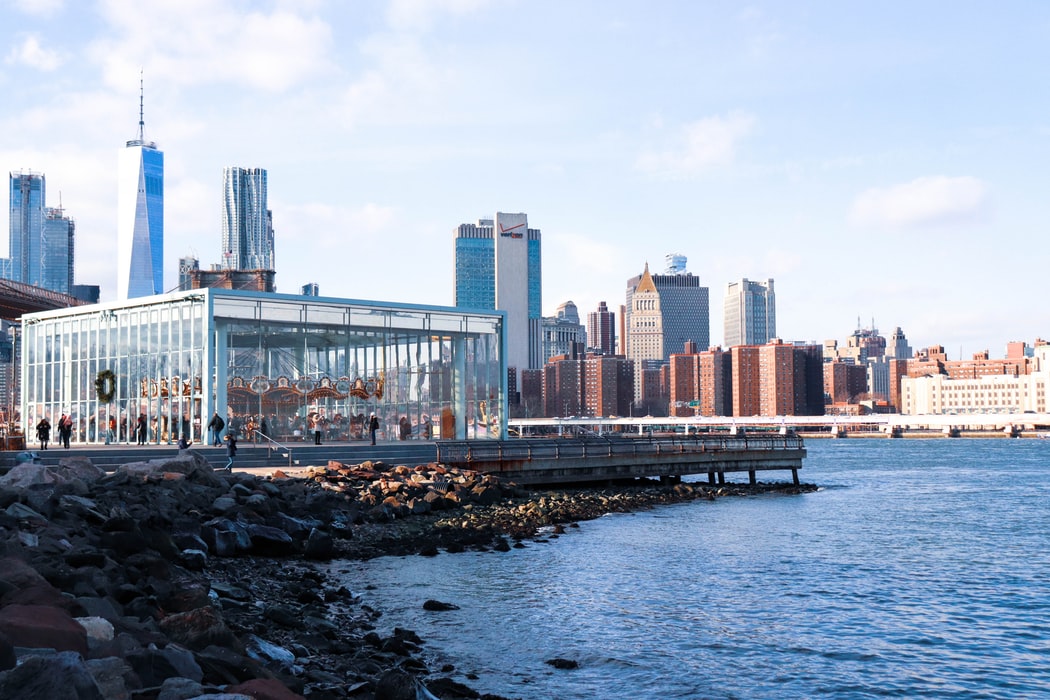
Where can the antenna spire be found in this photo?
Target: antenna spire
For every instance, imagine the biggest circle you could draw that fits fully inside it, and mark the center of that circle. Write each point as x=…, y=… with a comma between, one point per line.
x=142, y=122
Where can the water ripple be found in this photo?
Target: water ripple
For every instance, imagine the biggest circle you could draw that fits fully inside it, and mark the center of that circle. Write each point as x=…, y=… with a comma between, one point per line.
x=917, y=570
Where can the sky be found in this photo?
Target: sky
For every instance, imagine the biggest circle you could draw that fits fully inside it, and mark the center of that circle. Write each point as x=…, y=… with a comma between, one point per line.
x=884, y=163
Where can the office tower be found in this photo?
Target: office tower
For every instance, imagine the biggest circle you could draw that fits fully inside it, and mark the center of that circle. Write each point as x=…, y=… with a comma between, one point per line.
x=498, y=267
x=189, y=270
x=42, y=238
x=247, y=225
x=27, y=227
x=684, y=310
x=750, y=313
x=562, y=334
x=645, y=328
x=601, y=331
x=310, y=289
x=898, y=348
x=56, y=263
x=140, y=216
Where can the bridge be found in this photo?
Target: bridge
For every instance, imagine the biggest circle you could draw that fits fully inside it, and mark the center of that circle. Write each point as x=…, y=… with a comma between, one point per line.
x=880, y=423
x=17, y=298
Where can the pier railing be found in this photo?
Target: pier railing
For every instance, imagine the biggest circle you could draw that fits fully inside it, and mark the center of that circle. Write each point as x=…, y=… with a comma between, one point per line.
x=459, y=452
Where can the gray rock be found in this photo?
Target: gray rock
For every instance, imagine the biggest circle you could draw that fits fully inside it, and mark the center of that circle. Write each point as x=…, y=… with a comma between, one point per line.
x=61, y=676
x=180, y=689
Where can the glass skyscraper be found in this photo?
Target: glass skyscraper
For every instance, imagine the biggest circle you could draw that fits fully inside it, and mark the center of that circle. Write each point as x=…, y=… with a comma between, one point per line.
x=247, y=225
x=41, y=243
x=27, y=227
x=56, y=266
x=503, y=272
x=140, y=218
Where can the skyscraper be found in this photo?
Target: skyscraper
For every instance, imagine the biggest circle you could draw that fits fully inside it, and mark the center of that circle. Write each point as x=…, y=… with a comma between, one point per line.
x=57, y=261
x=684, y=308
x=645, y=329
x=750, y=313
x=503, y=272
x=247, y=223
x=42, y=238
x=27, y=227
x=601, y=330
x=140, y=216
x=562, y=334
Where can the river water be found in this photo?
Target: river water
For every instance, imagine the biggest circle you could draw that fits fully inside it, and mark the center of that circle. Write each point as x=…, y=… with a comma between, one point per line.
x=920, y=568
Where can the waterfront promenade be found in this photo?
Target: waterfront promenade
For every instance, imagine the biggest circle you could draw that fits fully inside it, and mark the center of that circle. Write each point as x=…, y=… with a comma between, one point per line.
x=533, y=461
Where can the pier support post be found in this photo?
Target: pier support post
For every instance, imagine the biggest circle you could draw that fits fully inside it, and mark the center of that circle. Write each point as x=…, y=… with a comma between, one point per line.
x=751, y=477
x=711, y=476
x=794, y=476
x=721, y=478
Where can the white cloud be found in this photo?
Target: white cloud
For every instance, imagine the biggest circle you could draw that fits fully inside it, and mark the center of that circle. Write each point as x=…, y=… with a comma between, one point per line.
x=196, y=42
x=925, y=201
x=699, y=146
x=31, y=53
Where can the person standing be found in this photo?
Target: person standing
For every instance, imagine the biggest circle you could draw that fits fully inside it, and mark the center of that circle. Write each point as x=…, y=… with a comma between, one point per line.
x=43, y=432
x=141, y=428
x=65, y=430
x=373, y=426
x=215, y=425
x=314, y=423
x=231, y=451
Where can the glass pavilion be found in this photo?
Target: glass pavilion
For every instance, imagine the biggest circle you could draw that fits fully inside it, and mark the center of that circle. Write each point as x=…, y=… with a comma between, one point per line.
x=293, y=361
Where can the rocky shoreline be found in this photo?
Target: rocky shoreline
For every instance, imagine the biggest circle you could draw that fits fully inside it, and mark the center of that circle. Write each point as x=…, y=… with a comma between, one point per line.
x=167, y=580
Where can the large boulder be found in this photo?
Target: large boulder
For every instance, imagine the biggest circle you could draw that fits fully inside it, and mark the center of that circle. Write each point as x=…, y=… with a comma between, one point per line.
x=42, y=626
x=188, y=463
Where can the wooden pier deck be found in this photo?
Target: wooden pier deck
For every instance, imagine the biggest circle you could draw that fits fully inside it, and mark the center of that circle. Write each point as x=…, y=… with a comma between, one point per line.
x=532, y=461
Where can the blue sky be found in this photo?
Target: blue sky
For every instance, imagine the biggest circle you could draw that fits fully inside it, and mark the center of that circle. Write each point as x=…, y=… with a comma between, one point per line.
x=881, y=161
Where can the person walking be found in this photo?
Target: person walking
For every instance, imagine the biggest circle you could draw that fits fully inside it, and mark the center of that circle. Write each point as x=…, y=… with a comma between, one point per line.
x=215, y=425
x=373, y=426
x=43, y=432
x=231, y=451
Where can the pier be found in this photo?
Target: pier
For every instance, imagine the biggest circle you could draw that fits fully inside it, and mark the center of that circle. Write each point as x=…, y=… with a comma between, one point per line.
x=532, y=461
x=536, y=461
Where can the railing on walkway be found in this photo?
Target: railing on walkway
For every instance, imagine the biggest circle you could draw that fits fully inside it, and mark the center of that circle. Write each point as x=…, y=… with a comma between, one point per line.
x=272, y=445
x=528, y=449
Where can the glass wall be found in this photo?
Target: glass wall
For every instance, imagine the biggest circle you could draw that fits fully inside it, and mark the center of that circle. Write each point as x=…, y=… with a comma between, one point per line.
x=277, y=365
x=147, y=359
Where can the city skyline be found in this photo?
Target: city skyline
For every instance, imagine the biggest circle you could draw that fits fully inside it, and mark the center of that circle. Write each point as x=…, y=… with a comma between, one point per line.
x=874, y=161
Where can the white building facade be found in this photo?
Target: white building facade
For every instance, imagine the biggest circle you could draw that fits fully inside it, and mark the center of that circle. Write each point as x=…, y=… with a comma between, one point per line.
x=937, y=394
x=750, y=313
